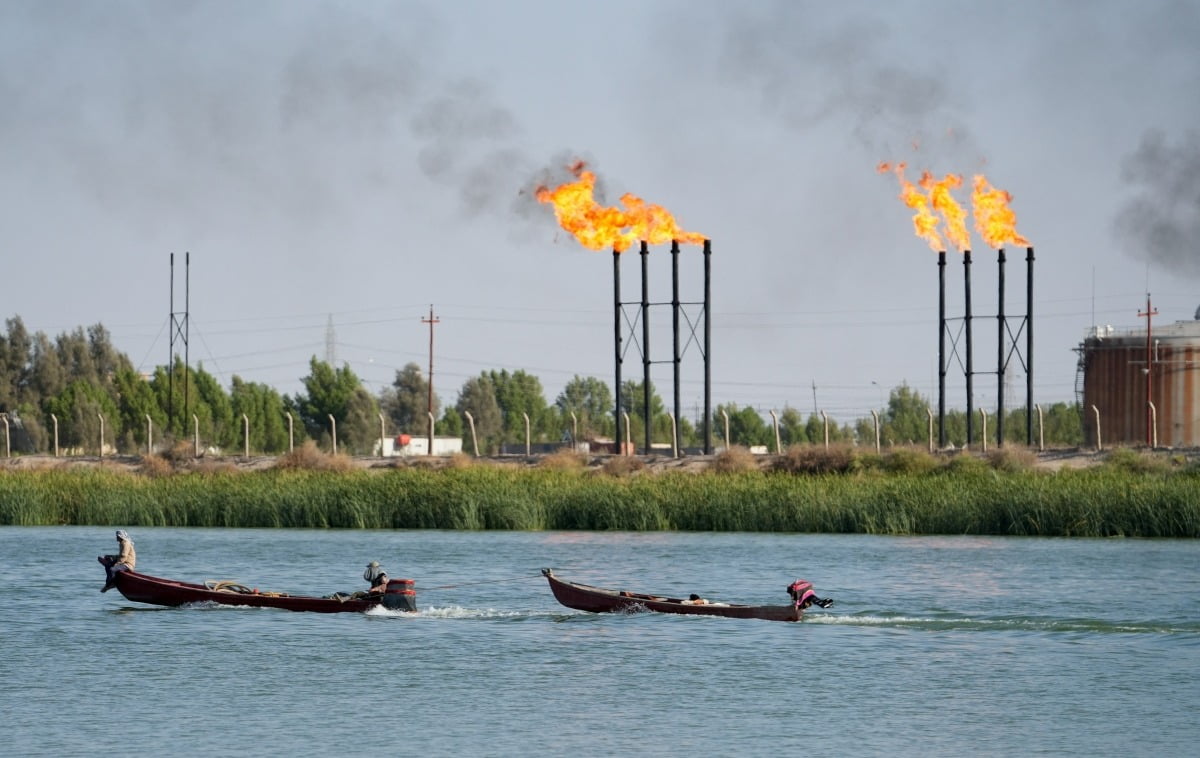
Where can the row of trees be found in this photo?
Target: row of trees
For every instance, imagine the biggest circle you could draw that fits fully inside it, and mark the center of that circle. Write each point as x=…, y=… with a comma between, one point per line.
x=80, y=378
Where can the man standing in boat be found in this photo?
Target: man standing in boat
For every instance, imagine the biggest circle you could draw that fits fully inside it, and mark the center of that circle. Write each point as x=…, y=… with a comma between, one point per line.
x=124, y=560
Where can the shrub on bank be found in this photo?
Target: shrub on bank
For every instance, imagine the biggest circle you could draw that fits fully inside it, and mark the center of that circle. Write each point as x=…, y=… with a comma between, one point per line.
x=733, y=460
x=810, y=459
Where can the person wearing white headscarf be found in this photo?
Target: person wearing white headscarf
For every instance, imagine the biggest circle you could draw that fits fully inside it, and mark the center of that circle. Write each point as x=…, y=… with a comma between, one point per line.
x=376, y=576
x=124, y=560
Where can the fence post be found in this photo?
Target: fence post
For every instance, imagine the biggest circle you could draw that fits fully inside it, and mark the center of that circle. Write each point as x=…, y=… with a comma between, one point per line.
x=1099, y=444
x=983, y=427
x=628, y=436
x=1041, y=429
x=674, y=436
x=526, y=415
x=195, y=436
x=825, y=420
x=875, y=417
x=245, y=436
x=149, y=435
x=99, y=416
x=1153, y=425
x=55, y=419
x=291, y=437
x=7, y=440
x=725, y=415
x=431, y=432
x=474, y=439
x=574, y=431
x=929, y=411
x=333, y=431
x=775, y=423
x=381, y=435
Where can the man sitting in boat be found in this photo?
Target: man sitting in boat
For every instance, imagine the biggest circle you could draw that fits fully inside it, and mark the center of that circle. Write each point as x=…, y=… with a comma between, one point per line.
x=376, y=577
x=124, y=560
x=694, y=599
x=803, y=595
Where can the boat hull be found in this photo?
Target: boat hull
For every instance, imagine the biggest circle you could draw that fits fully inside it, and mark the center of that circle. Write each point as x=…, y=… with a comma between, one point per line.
x=583, y=597
x=142, y=588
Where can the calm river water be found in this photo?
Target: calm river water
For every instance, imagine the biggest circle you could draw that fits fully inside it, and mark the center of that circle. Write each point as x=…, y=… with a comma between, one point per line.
x=936, y=646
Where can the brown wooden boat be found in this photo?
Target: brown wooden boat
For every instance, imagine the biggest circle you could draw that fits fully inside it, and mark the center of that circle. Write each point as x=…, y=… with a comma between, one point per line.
x=583, y=597
x=143, y=588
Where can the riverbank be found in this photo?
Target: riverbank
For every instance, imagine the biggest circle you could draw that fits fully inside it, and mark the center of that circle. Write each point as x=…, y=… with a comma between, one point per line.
x=905, y=492
x=1049, y=460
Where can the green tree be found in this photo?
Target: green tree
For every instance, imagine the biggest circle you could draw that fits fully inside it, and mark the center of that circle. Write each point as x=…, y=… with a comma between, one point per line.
x=213, y=410
x=792, y=429
x=633, y=402
x=746, y=425
x=263, y=407
x=450, y=424
x=591, y=401
x=1062, y=424
x=135, y=401
x=334, y=392
x=519, y=394
x=478, y=397
x=358, y=430
x=47, y=377
x=15, y=350
x=406, y=402
x=78, y=409
x=906, y=418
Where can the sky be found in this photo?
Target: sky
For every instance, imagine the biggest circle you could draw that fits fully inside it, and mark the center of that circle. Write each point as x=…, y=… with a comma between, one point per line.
x=332, y=172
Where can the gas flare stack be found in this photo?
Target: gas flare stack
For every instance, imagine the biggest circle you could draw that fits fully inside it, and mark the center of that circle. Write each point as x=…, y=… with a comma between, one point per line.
x=1007, y=345
x=624, y=325
x=932, y=202
x=598, y=227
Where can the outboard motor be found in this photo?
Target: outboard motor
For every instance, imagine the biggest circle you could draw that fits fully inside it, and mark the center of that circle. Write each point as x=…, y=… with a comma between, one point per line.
x=400, y=595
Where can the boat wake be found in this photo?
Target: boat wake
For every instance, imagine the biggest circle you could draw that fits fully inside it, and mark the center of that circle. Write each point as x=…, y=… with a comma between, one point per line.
x=449, y=612
x=938, y=623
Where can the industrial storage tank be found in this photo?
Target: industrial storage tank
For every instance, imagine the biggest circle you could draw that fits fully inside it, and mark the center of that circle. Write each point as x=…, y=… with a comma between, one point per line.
x=1120, y=368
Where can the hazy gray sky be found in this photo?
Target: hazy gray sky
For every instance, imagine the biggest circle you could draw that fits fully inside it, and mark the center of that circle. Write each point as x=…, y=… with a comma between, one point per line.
x=366, y=160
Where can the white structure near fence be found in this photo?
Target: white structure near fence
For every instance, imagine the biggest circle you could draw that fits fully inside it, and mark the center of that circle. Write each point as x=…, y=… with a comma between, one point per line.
x=404, y=445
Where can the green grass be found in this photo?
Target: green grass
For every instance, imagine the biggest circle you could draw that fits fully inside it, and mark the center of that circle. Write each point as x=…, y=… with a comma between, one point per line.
x=958, y=499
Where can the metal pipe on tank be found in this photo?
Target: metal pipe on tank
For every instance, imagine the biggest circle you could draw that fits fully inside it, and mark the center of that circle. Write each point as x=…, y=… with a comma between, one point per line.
x=1000, y=350
x=646, y=414
x=617, y=347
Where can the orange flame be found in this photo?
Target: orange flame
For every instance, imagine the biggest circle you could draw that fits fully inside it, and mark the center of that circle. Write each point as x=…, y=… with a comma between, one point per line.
x=597, y=227
x=924, y=221
x=995, y=221
x=944, y=203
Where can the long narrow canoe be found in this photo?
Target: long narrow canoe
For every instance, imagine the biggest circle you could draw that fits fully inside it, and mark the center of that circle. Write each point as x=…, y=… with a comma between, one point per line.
x=143, y=588
x=583, y=597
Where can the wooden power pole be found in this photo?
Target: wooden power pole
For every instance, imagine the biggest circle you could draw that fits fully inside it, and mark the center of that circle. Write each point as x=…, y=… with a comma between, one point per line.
x=431, y=321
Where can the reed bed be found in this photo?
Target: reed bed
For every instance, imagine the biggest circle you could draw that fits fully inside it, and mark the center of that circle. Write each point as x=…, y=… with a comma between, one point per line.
x=1102, y=501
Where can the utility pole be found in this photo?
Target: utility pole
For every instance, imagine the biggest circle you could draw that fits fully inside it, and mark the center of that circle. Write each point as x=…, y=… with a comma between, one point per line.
x=431, y=321
x=1148, y=314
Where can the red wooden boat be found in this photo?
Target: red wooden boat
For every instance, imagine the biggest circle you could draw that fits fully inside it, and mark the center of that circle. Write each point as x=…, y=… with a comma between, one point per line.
x=583, y=597
x=142, y=588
